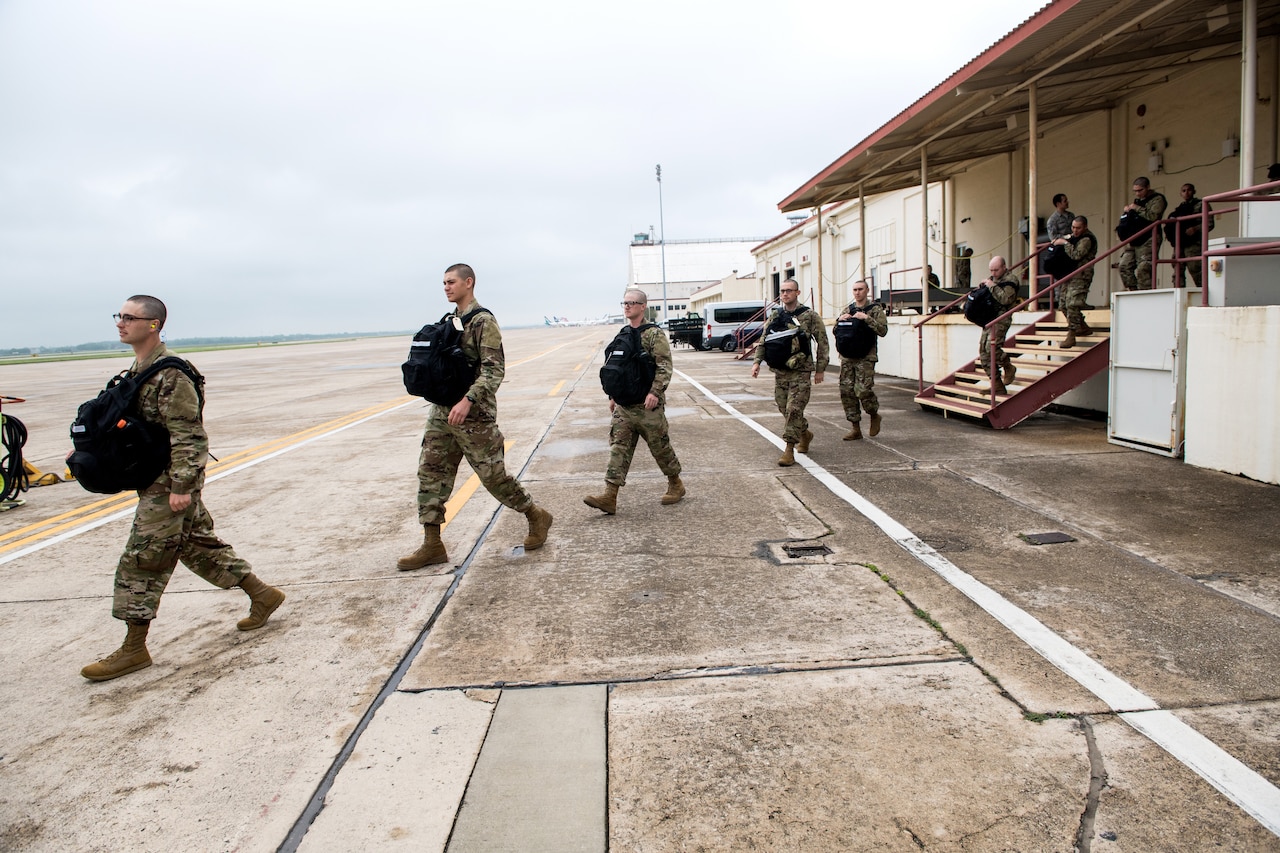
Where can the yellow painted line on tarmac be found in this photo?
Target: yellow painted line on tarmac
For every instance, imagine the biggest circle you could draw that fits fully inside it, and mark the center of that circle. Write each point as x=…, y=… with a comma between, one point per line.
x=556, y=390
x=578, y=366
x=54, y=525
x=464, y=494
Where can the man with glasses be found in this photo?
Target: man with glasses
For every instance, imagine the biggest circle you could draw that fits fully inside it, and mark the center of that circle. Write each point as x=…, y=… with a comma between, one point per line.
x=170, y=523
x=469, y=428
x=793, y=329
x=646, y=419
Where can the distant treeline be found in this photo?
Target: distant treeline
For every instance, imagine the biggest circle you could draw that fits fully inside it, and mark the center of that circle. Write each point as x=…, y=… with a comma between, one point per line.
x=183, y=343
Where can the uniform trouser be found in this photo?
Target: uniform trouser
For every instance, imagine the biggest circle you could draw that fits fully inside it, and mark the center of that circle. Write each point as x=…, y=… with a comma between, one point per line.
x=159, y=539
x=1192, y=267
x=1135, y=266
x=996, y=333
x=791, y=390
x=1073, y=298
x=629, y=425
x=857, y=387
x=444, y=446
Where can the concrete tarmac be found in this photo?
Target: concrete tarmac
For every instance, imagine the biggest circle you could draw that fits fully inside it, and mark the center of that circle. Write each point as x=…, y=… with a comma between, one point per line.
x=861, y=652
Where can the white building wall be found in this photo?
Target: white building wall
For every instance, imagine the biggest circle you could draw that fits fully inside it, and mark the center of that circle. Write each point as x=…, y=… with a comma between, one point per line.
x=1233, y=391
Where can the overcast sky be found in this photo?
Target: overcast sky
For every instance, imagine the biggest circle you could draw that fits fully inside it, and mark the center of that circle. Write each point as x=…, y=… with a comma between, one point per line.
x=273, y=167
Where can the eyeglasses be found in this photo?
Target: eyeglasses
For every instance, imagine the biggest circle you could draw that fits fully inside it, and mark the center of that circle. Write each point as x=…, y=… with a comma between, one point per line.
x=128, y=318
x=631, y=304
x=790, y=290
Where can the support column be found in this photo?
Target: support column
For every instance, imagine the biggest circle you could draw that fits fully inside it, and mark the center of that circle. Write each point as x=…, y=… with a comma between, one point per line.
x=924, y=231
x=1248, y=91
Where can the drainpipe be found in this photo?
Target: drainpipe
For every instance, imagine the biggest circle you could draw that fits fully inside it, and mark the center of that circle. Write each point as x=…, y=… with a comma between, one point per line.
x=819, y=259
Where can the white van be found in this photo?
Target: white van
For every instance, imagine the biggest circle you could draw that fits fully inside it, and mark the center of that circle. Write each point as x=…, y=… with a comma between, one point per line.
x=724, y=319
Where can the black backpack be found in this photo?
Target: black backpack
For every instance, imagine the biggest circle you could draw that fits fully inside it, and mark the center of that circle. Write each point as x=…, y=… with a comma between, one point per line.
x=628, y=371
x=784, y=339
x=1057, y=262
x=437, y=369
x=980, y=306
x=115, y=449
x=854, y=338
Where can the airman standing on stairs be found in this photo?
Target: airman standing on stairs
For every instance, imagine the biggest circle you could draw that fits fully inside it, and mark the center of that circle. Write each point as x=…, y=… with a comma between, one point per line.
x=1081, y=247
x=1003, y=284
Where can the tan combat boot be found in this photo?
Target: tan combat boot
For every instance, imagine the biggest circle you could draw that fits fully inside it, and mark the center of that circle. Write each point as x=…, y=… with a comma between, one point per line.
x=875, y=424
x=539, y=524
x=430, y=552
x=263, y=602
x=606, y=503
x=130, y=657
x=788, y=456
x=1085, y=331
x=855, y=431
x=1069, y=341
x=1010, y=373
x=803, y=445
x=997, y=384
x=675, y=491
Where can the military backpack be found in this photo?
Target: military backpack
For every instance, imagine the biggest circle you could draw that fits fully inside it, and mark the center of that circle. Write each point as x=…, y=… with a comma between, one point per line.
x=854, y=337
x=786, y=345
x=628, y=370
x=115, y=449
x=437, y=369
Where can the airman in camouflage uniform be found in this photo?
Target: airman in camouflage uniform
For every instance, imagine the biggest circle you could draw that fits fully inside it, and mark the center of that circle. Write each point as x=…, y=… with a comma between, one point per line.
x=1189, y=246
x=1081, y=247
x=646, y=419
x=1135, y=261
x=791, y=385
x=1003, y=284
x=858, y=375
x=469, y=429
x=170, y=523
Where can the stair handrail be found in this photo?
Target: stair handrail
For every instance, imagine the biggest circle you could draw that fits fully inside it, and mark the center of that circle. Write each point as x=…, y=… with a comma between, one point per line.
x=739, y=333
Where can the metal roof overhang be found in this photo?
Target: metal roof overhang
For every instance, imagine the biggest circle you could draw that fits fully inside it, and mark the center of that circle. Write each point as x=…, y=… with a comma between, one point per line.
x=1083, y=56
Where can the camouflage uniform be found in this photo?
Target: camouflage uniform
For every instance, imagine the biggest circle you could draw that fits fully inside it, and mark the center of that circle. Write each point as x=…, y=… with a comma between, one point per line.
x=1005, y=292
x=477, y=438
x=1135, y=261
x=791, y=386
x=858, y=375
x=1074, y=295
x=630, y=423
x=160, y=538
x=1059, y=224
x=1190, y=246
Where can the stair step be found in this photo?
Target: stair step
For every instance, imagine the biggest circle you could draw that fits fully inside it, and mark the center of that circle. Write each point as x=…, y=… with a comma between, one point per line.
x=973, y=392
x=954, y=406
x=1044, y=351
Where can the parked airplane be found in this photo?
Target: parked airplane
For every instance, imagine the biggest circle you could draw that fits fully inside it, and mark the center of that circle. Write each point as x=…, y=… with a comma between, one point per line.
x=565, y=321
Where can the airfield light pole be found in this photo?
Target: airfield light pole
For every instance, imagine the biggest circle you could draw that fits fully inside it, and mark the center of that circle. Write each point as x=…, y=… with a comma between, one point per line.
x=662, y=245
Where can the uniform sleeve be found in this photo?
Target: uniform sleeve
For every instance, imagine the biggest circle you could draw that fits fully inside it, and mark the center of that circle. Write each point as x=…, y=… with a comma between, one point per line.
x=1155, y=209
x=1080, y=250
x=818, y=330
x=877, y=320
x=655, y=343
x=179, y=407
x=768, y=319
x=493, y=361
x=1006, y=291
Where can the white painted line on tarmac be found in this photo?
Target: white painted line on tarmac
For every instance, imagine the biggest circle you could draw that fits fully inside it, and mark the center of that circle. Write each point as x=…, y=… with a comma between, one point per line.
x=1240, y=784
x=1244, y=787
x=98, y=522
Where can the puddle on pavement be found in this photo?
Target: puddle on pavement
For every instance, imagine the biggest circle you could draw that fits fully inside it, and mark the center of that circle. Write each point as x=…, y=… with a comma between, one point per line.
x=574, y=447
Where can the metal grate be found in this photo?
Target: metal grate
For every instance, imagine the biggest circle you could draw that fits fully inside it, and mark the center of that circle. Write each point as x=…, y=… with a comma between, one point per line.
x=805, y=550
x=1047, y=538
